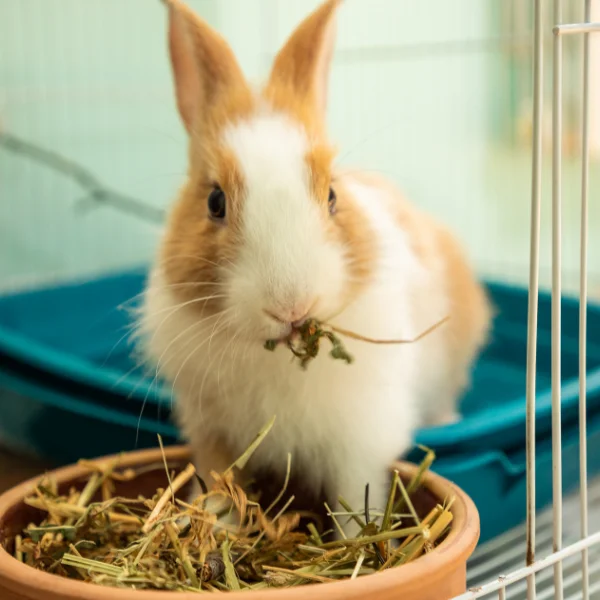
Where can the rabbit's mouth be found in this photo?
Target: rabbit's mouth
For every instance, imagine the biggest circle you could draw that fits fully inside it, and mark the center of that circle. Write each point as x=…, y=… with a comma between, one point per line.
x=287, y=334
x=296, y=331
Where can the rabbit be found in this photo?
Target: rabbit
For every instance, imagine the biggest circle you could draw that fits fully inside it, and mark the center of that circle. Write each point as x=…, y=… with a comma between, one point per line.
x=267, y=232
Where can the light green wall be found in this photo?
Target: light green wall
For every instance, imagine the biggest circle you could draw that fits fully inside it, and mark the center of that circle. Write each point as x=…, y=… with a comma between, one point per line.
x=412, y=95
x=90, y=80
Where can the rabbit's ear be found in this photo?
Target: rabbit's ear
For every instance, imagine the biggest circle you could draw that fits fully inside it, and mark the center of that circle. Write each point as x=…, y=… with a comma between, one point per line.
x=208, y=78
x=300, y=73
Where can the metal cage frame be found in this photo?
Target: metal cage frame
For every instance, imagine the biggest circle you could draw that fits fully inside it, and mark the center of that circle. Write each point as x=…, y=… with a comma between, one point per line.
x=555, y=559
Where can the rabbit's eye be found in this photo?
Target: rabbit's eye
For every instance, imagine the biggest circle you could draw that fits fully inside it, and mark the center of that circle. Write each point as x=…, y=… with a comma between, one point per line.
x=332, y=201
x=216, y=204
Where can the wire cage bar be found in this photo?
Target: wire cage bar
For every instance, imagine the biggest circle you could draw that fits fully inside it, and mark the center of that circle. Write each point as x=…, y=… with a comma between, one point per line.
x=536, y=194
x=504, y=581
x=556, y=297
x=500, y=586
x=585, y=171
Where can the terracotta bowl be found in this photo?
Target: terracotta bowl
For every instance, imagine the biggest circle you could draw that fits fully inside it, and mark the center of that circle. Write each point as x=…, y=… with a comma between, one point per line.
x=438, y=575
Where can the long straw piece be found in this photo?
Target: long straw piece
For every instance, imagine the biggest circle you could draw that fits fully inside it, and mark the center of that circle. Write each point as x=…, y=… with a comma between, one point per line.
x=177, y=484
x=363, y=338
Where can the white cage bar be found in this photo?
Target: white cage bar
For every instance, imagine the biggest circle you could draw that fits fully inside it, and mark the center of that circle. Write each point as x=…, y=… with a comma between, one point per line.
x=555, y=559
x=534, y=260
x=585, y=169
x=557, y=142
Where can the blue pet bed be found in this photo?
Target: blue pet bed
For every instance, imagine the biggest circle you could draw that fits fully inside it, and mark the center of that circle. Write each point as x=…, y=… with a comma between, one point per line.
x=68, y=381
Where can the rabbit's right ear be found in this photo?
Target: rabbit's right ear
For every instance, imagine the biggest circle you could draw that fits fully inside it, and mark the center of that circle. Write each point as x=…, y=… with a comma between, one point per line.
x=209, y=83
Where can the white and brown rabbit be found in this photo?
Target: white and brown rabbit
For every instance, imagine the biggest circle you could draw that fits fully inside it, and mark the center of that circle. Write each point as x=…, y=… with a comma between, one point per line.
x=267, y=232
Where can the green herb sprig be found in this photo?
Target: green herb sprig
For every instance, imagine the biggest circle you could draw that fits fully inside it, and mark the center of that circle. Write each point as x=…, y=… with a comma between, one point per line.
x=304, y=342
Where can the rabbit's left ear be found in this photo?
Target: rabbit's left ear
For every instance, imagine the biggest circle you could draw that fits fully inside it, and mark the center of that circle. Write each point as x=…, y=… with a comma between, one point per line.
x=300, y=73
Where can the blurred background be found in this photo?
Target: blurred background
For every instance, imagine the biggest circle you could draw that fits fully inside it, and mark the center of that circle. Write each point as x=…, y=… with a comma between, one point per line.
x=436, y=95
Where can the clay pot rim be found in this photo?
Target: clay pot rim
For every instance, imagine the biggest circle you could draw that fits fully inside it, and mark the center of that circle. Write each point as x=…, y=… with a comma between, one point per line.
x=456, y=548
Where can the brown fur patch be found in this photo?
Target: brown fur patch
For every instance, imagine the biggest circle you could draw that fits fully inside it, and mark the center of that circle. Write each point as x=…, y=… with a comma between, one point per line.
x=440, y=252
x=211, y=94
x=190, y=248
x=352, y=229
x=319, y=160
x=283, y=98
x=196, y=250
x=470, y=310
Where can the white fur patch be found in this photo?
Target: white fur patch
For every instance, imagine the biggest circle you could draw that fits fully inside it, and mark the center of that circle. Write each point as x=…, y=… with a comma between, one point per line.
x=286, y=262
x=344, y=425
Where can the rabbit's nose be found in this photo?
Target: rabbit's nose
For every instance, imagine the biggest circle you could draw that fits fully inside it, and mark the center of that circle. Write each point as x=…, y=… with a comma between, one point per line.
x=300, y=321
x=295, y=316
